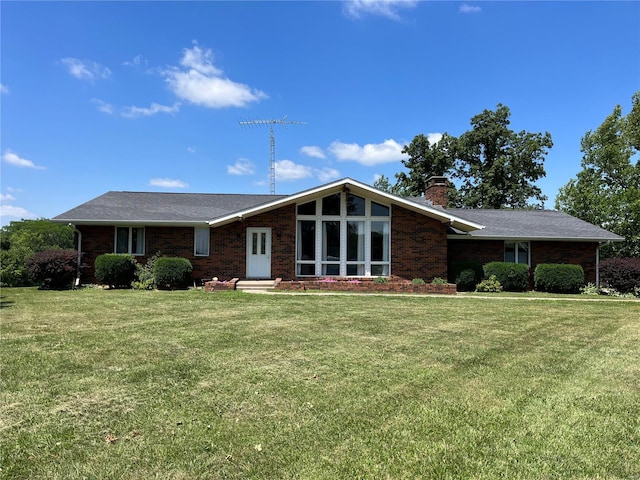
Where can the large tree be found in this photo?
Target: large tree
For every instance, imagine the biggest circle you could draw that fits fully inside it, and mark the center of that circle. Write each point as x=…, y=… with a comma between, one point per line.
x=495, y=167
x=606, y=192
x=21, y=239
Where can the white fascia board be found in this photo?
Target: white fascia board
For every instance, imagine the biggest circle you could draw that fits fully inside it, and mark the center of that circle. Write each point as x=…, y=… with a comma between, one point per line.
x=534, y=238
x=351, y=184
x=142, y=223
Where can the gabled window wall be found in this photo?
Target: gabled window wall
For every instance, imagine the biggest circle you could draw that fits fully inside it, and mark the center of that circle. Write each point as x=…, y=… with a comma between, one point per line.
x=343, y=235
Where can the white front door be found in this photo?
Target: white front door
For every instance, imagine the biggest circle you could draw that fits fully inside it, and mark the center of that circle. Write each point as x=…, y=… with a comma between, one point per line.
x=258, y=253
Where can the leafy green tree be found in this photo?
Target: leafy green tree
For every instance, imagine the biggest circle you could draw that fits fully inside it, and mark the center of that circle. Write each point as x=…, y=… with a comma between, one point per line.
x=498, y=167
x=21, y=239
x=606, y=192
x=495, y=167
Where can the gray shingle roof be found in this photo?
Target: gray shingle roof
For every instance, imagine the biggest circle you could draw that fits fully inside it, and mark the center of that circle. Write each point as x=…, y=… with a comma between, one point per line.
x=158, y=207
x=532, y=224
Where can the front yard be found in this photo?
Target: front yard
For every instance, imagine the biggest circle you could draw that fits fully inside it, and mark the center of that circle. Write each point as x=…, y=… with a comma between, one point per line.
x=190, y=385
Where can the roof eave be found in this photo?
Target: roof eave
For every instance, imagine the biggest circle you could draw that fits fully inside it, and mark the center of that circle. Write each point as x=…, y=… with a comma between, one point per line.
x=350, y=185
x=112, y=222
x=453, y=236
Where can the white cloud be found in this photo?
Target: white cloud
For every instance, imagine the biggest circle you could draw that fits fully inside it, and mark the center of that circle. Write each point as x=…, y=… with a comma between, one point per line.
x=138, y=61
x=167, y=183
x=287, y=170
x=85, y=69
x=370, y=154
x=313, y=151
x=326, y=174
x=6, y=197
x=16, y=212
x=241, y=167
x=434, y=137
x=155, y=108
x=465, y=8
x=201, y=83
x=103, y=106
x=18, y=161
x=4, y=88
x=384, y=8
x=191, y=150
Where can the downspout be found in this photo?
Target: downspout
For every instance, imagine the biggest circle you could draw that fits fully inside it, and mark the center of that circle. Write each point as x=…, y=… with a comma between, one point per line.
x=79, y=261
x=598, y=265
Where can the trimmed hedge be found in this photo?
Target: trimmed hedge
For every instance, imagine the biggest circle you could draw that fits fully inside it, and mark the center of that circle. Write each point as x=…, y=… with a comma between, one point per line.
x=466, y=281
x=623, y=274
x=53, y=269
x=558, y=278
x=456, y=268
x=115, y=269
x=514, y=277
x=172, y=272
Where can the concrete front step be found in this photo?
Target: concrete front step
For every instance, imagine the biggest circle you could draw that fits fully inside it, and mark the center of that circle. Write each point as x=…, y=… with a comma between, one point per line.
x=255, y=285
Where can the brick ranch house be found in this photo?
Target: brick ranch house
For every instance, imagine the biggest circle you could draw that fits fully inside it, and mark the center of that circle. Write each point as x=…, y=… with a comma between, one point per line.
x=341, y=229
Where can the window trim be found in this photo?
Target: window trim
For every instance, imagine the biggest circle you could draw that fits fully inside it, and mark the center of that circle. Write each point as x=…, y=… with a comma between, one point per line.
x=195, y=241
x=130, y=239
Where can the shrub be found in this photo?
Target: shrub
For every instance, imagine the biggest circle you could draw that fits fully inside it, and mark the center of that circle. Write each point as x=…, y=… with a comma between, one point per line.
x=558, y=278
x=491, y=285
x=466, y=281
x=380, y=280
x=144, y=274
x=417, y=281
x=514, y=277
x=172, y=272
x=438, y=281
x=53, y=269
x=623, y=274
x=456, y=268
x=115, y=269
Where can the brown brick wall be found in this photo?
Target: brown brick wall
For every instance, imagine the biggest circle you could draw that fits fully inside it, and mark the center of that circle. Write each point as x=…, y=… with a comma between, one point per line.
x=485, y=251
x=418, y=246
x=227, y=253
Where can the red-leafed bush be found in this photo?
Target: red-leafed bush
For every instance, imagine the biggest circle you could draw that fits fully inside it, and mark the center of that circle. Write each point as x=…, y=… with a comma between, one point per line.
x=53, y=269
x=623, y=274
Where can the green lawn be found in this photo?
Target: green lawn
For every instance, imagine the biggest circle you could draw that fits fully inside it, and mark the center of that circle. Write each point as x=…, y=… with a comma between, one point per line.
x=187, y=385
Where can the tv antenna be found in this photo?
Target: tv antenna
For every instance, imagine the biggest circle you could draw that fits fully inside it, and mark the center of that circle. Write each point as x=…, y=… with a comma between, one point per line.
x=272, y=144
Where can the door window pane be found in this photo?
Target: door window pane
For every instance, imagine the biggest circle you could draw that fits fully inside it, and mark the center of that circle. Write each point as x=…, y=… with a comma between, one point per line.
x=263, y=243
x=254, y=243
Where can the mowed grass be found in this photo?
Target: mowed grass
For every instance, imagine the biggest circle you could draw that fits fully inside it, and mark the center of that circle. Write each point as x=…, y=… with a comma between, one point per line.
x=188, y=385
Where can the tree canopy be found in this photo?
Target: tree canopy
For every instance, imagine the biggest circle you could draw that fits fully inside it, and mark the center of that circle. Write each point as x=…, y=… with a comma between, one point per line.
x=21, y=239
x=606, y=192
x=495, y=167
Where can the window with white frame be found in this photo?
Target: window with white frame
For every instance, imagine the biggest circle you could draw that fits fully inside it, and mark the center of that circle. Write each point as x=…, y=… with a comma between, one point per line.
x=517, y=252
x=129, y=240
x=201, y=241
x=343, y=235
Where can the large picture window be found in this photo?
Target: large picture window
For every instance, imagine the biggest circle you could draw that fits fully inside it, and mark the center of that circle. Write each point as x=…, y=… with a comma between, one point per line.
x=343, y=235
x=201, y=242
x=130, y=240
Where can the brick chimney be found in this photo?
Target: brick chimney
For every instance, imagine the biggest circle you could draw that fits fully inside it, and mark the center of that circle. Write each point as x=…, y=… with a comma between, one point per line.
x=436, y=191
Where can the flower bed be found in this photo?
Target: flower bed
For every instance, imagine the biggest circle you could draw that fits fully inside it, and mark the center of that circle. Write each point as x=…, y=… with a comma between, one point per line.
x=217, y=285
x=366, y=285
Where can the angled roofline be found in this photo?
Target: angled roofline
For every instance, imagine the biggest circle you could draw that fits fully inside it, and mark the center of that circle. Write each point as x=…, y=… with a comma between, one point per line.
x=348, y=183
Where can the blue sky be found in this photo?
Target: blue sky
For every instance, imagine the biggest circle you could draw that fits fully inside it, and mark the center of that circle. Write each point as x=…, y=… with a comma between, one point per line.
x=148, y=96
